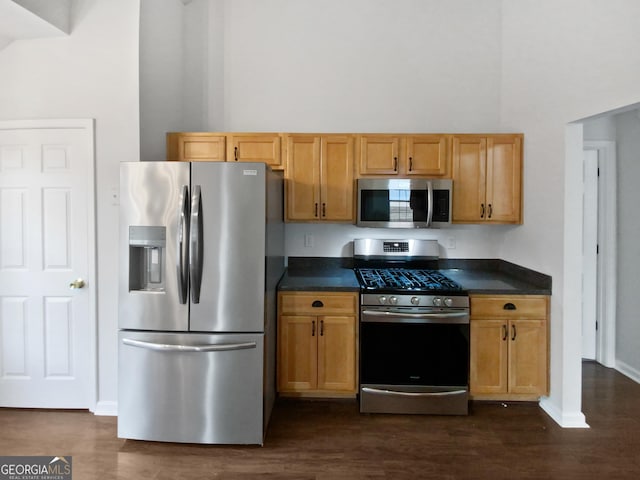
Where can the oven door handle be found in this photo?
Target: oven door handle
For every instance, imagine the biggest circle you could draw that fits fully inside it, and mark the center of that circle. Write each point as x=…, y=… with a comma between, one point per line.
x=380, y=391
x=398, y=317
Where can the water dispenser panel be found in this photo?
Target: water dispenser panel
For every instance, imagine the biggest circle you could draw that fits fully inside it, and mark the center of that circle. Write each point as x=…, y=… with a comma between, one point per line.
x=147, y=258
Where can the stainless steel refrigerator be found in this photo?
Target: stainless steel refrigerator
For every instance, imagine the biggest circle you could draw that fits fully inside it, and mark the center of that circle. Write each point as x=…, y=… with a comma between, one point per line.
x=201, y=253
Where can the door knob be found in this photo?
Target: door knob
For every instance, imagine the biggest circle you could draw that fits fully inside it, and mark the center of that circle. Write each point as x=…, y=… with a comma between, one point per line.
x=77, y=283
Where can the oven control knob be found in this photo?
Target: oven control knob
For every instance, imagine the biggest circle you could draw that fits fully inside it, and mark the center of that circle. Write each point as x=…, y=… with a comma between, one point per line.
x=437, y=301
x=382, y=299
x=393, y=300
x=448, y=302
x=415, y=300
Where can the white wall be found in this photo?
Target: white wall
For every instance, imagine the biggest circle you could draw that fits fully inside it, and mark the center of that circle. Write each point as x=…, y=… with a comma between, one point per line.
x=161, y=74
x=627, y=126
x=334, y=240
x=93, y=73
x=362, y=65
x=561, y=61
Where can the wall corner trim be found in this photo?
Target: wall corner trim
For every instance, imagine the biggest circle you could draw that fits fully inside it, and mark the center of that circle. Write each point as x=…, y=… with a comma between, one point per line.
x=564, y=419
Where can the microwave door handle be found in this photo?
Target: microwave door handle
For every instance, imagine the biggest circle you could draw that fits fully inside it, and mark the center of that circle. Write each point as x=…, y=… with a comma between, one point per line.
x=429, y=203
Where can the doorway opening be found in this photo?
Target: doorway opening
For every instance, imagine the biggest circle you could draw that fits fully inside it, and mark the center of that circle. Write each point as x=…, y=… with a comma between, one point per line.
x=599, y=252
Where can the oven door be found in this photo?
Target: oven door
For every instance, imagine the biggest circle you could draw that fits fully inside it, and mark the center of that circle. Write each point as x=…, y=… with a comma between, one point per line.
x=414, y=360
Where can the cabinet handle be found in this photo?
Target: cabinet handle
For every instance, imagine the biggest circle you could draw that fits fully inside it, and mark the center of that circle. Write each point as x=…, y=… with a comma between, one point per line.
x=490, y=211
x=322, y=328
x=313, y=328
x=235, y=153
x=410, y=163
x=509, y=306
x=395, y=164
x=505, y=332
x=513, y=329
x=316, y=211
x=482, y=210
x=324, y=210
x=317, y=304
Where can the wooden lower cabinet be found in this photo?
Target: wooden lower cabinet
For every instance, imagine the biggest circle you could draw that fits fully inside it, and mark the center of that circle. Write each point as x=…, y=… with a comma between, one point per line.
x=317, y=344
x=509, y=347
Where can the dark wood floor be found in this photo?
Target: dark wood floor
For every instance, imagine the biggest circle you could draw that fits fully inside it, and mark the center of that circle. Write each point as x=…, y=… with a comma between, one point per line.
x=331, y=440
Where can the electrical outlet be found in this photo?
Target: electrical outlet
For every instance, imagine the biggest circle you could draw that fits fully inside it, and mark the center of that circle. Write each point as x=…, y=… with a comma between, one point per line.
x=451, y=243
x=308, y=240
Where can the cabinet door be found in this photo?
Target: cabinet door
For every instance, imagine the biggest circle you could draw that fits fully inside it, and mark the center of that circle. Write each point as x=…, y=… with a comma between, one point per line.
x=504, y=178
x=336, y=179
x=256, y=148
x=336, y=354
x=297, y=353
x=195, y=147
x=303, y=178
x=488, y=363
x=427, y=155
x=469, y=173
x=528, y=356
x=379, y=155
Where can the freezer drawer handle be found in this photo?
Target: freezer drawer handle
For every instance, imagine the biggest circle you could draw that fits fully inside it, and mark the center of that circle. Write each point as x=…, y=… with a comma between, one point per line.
x=412, y=394
x=164, y=347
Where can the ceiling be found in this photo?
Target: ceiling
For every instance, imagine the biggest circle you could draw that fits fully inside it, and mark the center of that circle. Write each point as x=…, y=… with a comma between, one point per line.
x=20, y=19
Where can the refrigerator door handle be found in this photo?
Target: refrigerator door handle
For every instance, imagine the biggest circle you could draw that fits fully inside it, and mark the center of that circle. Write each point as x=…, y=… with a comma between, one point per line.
x=195, y=247
x=165, y=347
x=183, y=244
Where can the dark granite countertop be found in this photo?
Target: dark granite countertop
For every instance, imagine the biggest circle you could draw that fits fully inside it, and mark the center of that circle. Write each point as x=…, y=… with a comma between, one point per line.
x=479, y=276
x=320, y=274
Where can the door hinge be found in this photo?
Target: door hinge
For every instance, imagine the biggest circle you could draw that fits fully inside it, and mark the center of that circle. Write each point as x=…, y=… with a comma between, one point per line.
x=597, y=249
x=596, y=326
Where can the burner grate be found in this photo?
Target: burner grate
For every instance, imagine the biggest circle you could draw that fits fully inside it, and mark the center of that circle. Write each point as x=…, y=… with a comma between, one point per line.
x=405, y=279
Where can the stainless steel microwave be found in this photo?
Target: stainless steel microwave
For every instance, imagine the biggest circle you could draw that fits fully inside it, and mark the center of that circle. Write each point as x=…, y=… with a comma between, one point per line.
x=404, y=203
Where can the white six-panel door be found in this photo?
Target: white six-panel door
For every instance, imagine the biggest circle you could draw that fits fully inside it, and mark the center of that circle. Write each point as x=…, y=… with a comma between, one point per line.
x=47, y=336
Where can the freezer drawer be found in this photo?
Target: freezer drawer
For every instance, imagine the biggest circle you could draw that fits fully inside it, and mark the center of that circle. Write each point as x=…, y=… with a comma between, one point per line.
x=193, y=388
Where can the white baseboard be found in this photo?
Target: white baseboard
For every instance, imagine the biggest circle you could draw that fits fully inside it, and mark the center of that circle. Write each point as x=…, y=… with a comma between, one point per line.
x=564, y=419
x=107, y=409
x=628, y=370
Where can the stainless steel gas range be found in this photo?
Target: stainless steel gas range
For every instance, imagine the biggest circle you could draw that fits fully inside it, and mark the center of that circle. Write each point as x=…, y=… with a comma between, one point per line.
x=414, y=330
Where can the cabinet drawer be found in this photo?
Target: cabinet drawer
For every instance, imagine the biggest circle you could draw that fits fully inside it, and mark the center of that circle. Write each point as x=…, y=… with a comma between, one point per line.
x=509, y=306
x=326, y=303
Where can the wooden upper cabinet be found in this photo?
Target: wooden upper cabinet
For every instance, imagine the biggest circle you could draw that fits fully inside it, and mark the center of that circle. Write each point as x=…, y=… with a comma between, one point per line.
x=378, y=154
x=487, y=178
x=255, y=148
x=336, y=178
x=404, y=155
x=469, y=178
x=319, y=185
x=220, y=147
x=427, y=155
x=303, y=178
x=504, y=178
x=195, y=147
